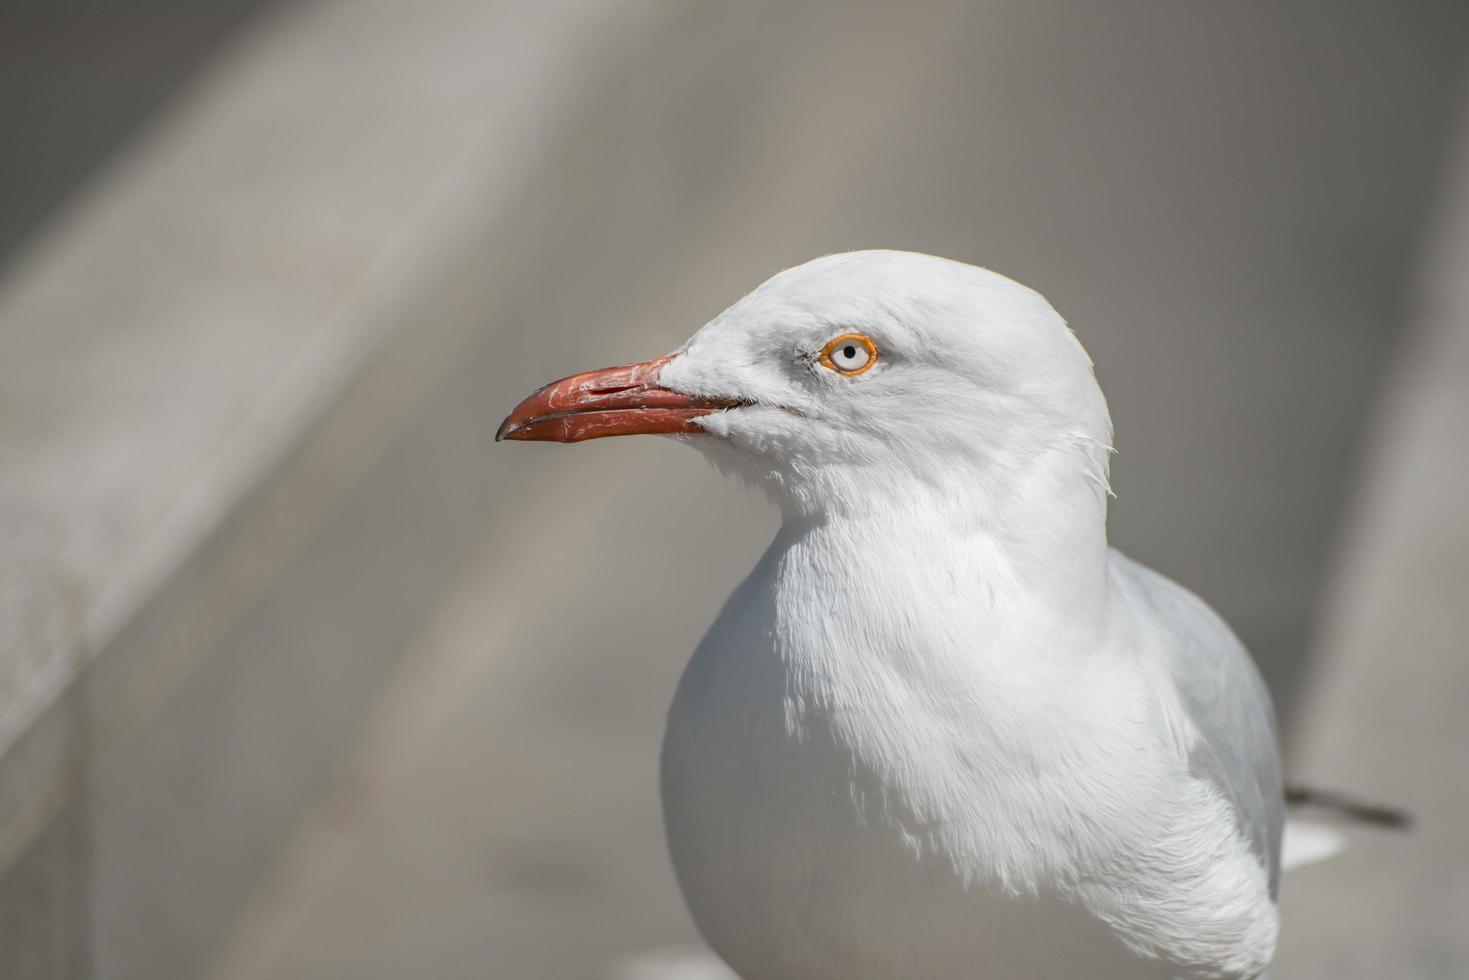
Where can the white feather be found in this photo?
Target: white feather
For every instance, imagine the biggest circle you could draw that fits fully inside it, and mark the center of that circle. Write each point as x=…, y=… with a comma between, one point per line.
x=1308, y=843
x=942, y=730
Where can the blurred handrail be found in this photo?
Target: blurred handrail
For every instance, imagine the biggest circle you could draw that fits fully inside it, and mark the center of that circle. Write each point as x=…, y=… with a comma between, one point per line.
x=1383, y=714
x=169, y=339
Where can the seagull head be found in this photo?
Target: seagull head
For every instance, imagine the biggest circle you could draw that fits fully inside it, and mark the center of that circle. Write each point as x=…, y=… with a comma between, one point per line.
x=859, y=381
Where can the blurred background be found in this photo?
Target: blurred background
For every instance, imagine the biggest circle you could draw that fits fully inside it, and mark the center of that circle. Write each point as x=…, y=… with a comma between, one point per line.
x=302, y=677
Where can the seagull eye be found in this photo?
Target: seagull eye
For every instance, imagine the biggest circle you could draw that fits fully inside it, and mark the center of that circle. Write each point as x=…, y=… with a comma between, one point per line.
x=849, y=354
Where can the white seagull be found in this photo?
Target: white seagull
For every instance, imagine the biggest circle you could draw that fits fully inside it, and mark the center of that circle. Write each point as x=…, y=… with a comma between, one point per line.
x=942, y=730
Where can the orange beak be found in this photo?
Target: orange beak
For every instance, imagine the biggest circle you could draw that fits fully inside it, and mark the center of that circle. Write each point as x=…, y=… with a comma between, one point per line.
x=617, y=401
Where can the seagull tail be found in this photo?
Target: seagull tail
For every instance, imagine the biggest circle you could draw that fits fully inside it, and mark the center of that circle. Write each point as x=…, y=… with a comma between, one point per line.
x=1309, y=841
x=1347, y=807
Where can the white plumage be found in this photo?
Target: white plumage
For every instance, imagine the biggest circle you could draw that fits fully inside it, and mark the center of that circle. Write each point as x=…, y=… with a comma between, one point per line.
x=942, y=730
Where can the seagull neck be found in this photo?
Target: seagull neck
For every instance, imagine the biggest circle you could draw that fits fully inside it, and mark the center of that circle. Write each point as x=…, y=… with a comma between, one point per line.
x=1038, y=533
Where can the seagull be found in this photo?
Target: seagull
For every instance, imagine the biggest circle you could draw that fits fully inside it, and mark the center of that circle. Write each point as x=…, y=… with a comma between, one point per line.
x=942, y=730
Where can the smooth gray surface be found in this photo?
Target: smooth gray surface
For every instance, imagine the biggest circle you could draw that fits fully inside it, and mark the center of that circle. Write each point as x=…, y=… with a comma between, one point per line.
x=1224, y=202
x=204, y=405
x=1386, y=707
x=162, y=346
x=79, y=79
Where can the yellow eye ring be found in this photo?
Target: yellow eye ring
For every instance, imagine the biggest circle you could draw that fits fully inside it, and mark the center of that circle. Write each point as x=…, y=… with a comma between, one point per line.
x=850, y=354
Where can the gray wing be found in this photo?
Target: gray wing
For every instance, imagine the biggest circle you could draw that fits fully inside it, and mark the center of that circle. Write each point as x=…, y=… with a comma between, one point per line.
x=1229, y=705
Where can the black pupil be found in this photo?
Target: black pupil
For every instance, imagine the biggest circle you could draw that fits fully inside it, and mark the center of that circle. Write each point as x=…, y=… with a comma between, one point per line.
x=849, y=352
